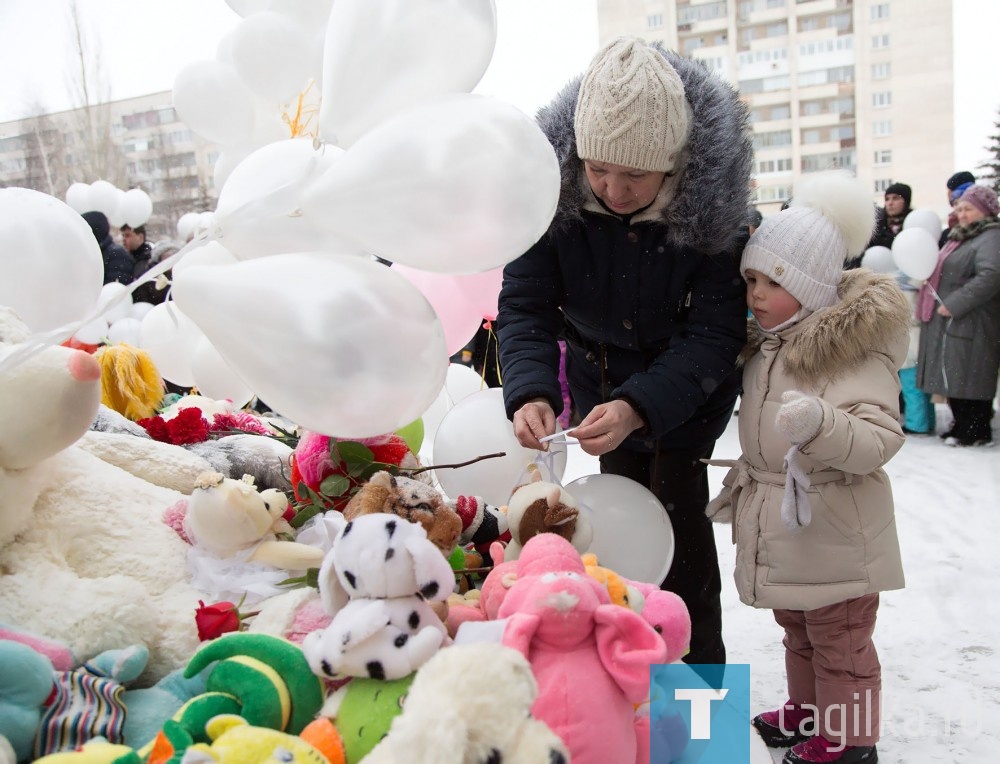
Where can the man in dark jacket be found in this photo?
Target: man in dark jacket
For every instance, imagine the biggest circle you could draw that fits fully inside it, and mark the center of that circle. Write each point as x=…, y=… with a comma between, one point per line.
x=134, y=240
x=892, y=215
x=639, y=274
x=118, y=263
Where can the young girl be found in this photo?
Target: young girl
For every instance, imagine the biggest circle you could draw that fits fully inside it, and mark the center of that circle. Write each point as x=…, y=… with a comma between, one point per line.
x=811, y=506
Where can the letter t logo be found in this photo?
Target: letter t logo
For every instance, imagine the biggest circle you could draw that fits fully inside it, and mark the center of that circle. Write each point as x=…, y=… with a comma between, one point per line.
x=701, y=709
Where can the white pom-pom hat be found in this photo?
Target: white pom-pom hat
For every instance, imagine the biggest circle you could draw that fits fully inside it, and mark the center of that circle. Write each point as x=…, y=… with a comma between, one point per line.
x=804, y=247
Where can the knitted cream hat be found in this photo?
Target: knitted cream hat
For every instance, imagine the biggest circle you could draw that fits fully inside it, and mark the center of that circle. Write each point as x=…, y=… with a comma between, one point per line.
x=804, y=247
x=631, y=109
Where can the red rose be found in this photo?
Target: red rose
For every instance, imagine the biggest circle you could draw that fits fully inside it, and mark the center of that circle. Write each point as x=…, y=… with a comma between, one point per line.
x=216, y=619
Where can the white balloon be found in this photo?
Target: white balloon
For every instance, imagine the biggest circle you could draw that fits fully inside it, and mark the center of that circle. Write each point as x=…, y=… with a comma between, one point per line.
x=186, y=225
x=78, y=197
x=125, y=330
x=217, y=379
x=463, y=184
x=208, y=254
x=246, y=8
x=140, y=309
x=339, y=344
x=51, y=268
x=273, y=56
x=475, y=426
x=929, y=220
x=632, y=531
x=310, y=14
x=117, y=216
x=879, y=259
x=259, y=210
x=462, y=381
x=204, y=223
x=211, y=99
x=136, y=207
x=915, y=252
x=93, y=332
x=104, y=198
x=383, y=56
x=118, y=294
x=169, y=337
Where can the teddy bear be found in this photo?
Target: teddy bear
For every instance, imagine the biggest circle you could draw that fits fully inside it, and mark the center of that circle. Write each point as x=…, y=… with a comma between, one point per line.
x=449, y=720
x=233, y=529
x=591, y=658
x=539, y=506
x=376, y=582
x=412, y=500
x=84, y=558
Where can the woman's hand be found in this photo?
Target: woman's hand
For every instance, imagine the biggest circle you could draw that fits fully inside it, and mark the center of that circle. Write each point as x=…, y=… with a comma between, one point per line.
x=606, y=426
x=943, y=311
x=534, y=420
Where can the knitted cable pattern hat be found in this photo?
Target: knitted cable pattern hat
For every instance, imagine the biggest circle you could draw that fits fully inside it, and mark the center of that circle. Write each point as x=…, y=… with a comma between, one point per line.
x=804, y=247
x=983, y=198
x=631, y=109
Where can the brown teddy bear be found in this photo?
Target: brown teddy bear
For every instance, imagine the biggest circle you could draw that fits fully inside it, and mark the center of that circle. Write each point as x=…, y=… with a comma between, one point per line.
x=412, y=500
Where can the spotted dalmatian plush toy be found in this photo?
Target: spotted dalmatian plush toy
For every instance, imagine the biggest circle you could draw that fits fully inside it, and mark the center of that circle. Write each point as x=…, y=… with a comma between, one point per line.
x=376, y=582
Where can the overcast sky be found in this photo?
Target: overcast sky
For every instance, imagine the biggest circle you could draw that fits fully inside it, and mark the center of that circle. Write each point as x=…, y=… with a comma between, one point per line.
x=542, y=43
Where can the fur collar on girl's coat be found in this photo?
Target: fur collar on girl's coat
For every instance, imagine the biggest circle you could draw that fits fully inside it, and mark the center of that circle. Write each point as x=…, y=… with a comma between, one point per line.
x=872, y=314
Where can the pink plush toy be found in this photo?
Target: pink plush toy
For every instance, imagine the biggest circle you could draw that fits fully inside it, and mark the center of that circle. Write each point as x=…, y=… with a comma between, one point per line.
x=669, y=617
x=491, y=595
x=591, y=658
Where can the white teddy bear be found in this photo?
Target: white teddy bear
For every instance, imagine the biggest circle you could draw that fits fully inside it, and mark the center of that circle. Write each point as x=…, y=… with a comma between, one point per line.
x=84, y=555
x=387, y=569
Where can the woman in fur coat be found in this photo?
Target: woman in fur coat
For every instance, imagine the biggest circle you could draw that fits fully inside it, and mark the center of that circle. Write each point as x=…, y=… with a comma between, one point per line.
x=811, y=506
x=638, y=273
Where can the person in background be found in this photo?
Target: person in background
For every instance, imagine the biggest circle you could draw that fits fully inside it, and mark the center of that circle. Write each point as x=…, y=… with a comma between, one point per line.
x=638, y=274
x=891, y=217
x=118, y=263
x=957, y=184
x=959, y=307
x=811, y=505
x=755, y=218
x=134, y=240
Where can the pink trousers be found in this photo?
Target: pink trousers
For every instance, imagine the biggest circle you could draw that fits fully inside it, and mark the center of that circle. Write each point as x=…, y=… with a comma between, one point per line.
x=831, y=664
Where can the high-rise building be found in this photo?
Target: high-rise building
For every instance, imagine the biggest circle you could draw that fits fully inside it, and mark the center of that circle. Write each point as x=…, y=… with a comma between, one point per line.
x=132, y=143
x=864, y=85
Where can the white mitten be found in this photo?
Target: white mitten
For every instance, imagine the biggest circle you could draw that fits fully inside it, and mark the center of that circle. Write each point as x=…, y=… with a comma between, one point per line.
x=800, y=417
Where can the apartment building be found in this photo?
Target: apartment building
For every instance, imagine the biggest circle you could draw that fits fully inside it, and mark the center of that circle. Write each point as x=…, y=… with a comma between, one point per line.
x=140, y=143
x=864, y=85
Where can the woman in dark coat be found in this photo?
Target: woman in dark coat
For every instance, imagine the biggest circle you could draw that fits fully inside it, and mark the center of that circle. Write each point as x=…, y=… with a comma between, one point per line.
x=638, y=273
x=960, y=334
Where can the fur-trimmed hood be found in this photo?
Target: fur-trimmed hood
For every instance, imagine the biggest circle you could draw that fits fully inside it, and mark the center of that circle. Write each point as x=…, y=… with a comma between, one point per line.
x=709, y=208
x=872, y=315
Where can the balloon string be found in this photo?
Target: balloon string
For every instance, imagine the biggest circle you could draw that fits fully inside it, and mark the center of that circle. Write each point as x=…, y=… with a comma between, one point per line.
x=492, y=340
x=295, y=124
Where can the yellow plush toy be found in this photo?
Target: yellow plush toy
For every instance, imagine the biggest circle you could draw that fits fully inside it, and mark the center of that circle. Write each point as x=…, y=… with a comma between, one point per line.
x=618, y=589
x=235, y=741
x=130, y=382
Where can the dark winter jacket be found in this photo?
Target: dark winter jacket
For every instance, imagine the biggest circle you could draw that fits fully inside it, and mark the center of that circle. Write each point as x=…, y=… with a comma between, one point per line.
x=118, y=263
x=145, y=292
x=652, y=308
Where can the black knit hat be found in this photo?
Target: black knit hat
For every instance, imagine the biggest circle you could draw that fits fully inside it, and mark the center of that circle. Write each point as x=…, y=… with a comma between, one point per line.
x=98, y=223
x=903, y=190
x=963, y=176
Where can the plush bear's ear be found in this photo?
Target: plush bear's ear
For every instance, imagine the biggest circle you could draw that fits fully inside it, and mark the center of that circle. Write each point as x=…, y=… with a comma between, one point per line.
x=332, y=593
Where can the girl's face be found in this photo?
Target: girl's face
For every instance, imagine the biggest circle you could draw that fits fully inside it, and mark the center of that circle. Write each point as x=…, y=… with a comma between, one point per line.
x=770, y=304
x=625, y=190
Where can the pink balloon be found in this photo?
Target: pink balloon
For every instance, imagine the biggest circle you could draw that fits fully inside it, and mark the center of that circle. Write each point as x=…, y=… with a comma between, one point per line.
x=458, y=314
x=483, y=289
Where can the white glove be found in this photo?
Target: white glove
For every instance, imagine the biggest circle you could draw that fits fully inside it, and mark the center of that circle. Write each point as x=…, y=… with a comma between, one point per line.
x=800, y=416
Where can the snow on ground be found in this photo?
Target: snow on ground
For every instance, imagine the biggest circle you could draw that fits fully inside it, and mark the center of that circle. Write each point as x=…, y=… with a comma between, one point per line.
x=938, y=638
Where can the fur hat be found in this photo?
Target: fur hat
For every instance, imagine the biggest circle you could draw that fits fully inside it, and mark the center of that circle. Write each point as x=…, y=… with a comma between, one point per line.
x=959, y=178
x=983, y=198
x=902, y=190
x=804, y=247
x=631, y=110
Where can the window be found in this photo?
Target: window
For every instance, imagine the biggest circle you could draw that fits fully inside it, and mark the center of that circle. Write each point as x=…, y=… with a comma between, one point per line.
x=882, y=100
x=776, y=138
x=880, y=11
x=881, y=71
x=883, y=156
x=765, y=166
x=837, y=160
x=773, y=193
x=882, y=128
x=765, y=85
x=811, y=136
x=880, y=41
x=654, y=21
x=882, y=184
x=693, y=13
